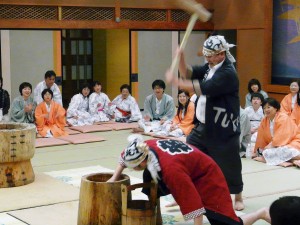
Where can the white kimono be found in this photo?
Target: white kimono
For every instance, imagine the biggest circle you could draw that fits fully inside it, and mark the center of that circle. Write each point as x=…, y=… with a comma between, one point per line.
x=77, y=113
x=42, y=86
x=99, y=113
x=125, y=109
x=255, y=118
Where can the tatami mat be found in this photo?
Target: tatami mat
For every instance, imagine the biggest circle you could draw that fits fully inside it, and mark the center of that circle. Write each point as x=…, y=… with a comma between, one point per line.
x=252, y=166
x=6, y=219
x=43, y=191
x=263, y=184
x=258, y=184
x=56, y=214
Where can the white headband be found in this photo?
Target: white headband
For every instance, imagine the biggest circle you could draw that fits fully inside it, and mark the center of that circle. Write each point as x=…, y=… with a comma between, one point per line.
x=216, y=44
x=136, y=151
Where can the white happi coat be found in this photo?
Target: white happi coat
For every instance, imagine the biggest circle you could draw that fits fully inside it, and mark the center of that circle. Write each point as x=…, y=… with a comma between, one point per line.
x=42, y=86
x=99, y=113
x=77, y=113
x=128, y=105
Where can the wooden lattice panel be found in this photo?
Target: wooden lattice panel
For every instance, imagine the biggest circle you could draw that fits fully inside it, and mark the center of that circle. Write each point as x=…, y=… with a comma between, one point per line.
x=179, y=16
x=89, y=13
x=28, y=12
x=144, y=14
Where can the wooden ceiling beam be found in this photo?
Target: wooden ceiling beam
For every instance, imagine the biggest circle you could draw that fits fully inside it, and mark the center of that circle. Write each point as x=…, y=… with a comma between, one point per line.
x=53, y=24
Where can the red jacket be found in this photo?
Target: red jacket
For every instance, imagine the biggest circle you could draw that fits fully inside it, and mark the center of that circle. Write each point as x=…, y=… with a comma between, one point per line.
x=194, y=179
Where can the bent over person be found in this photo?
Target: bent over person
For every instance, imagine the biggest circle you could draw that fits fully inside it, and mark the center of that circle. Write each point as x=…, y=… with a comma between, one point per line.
x=217, y=127
x=199, y=186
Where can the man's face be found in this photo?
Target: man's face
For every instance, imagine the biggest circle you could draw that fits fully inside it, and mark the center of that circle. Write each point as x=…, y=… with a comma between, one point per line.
x=158, y=91
x=50, y=81
x=215, y=59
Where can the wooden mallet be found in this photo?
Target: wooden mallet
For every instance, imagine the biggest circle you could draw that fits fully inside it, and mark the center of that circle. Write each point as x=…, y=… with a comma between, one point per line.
x=198, y=12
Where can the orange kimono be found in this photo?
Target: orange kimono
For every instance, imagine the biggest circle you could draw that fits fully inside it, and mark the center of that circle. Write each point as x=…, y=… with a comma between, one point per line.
x=286, y=104
x=295, y=116
x=55, y=123
x=186, y=124
x=285, y=132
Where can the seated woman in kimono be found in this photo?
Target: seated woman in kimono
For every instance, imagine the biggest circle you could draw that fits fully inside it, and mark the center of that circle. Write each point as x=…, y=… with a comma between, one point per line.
x=295, y=102
x=50, y=116
x=290, y=101
x=124, y=107
x=158, y=108
x=278, y=139
x=23, y=106
x=77, y=113
x=98, y=104
x=182, y=124
x=4, y=102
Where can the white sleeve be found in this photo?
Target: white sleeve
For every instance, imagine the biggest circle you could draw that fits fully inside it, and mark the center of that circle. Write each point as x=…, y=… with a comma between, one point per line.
x=93, y=103
x=37, y=93
x=73, y=106
x=57, y=95
x=135, y=110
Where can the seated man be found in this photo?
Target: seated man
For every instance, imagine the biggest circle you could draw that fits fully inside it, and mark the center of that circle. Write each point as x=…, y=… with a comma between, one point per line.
x=47, y=83
x=158, y=107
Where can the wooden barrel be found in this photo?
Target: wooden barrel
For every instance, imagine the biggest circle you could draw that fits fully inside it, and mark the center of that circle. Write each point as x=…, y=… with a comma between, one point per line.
x=139, y=212
x=100, y=202
x=17, y=147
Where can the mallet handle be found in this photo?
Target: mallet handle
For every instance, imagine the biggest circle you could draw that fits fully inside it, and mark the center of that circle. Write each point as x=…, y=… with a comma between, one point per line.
x=188, y=31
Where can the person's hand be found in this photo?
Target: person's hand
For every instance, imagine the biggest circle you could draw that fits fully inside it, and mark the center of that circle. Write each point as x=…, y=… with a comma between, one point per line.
x=46, y=116
x=147, y=118
x=112, y=179
x=171, y=78
x=75, y=117
x=161, y=122
x=269, y=146
x=173, y=127
x=28, y=108
x=253, y=130
x=99, y=105
x=110, y=104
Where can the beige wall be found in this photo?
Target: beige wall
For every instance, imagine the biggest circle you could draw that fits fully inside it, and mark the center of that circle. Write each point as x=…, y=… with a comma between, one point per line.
x=31, y=53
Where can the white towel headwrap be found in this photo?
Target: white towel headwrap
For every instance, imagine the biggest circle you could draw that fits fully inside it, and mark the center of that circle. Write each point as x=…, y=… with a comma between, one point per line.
x=216, y=44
